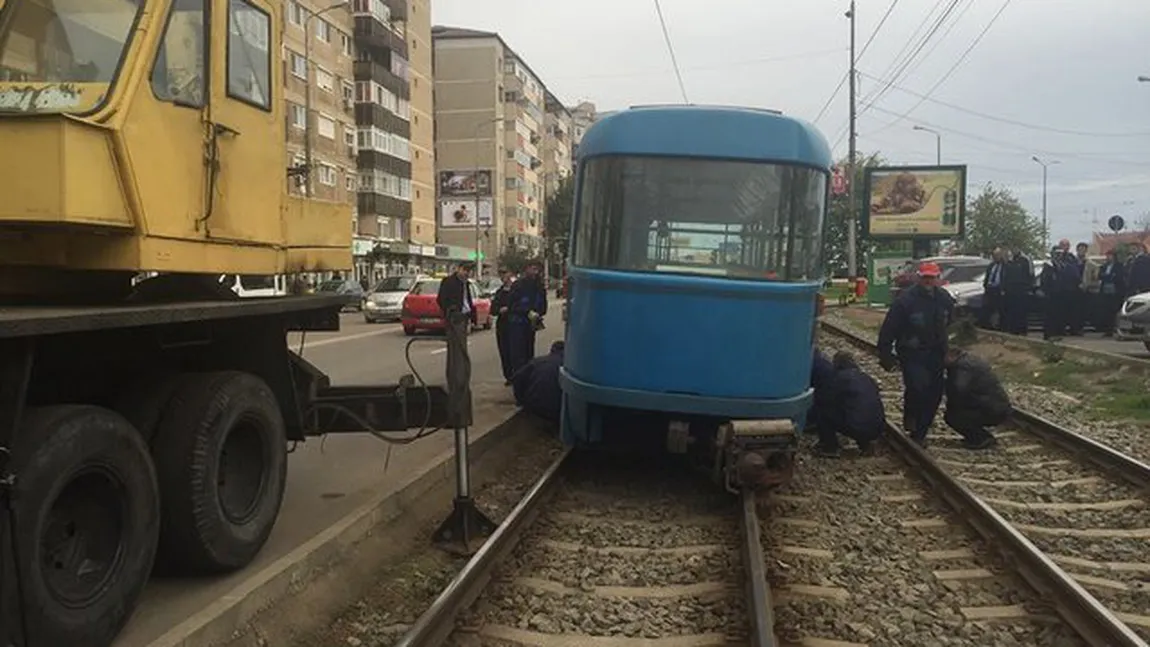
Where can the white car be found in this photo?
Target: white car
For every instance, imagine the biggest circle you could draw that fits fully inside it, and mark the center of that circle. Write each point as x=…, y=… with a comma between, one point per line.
x=1134, y=320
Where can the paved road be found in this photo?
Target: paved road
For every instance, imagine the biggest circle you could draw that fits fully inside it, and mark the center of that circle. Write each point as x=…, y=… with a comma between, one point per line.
x=1095, y=341
x=327, y=480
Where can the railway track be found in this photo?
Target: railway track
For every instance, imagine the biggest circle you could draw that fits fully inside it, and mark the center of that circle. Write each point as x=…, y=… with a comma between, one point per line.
x=1081, y=503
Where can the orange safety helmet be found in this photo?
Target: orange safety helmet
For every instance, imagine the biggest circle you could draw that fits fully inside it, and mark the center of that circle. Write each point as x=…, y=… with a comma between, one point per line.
x=929, y=269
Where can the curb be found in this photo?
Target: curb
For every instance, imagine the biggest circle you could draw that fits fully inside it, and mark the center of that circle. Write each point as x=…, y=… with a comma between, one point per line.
x=223, y=619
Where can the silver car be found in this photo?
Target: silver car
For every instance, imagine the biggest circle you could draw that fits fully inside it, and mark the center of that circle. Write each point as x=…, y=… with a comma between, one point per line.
x=385, y=301
x=1134, y=320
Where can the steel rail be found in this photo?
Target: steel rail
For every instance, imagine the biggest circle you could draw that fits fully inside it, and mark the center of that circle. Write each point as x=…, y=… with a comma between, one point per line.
x=1090, y=618
x=433, y=627
x=760, y=607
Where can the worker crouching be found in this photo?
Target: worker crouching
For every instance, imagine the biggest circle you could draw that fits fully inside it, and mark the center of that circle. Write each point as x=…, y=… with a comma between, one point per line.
x=975, y=398
x=851, y=406
x=536, y=385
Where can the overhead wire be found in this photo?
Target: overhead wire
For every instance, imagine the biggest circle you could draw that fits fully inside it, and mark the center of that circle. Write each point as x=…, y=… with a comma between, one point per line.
x=904, y=50
x=718, y=66
x=954, y=67
x=938, y=41
x=901, y=71
x=671, y=49
x=881, y=22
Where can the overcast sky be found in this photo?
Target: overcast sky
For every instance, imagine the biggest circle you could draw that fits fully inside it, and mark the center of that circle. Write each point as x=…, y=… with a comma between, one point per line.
x=1053, y=78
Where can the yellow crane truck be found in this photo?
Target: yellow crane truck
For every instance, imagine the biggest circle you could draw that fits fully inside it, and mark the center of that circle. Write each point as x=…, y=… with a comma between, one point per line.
x=146, y=424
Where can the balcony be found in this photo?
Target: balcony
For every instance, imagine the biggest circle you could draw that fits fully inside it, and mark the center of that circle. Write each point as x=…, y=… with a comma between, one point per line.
x=369, y=159
x=373, y=114
x=398, y=9
x=375, y=204
x=372, y=71
x=371, y=33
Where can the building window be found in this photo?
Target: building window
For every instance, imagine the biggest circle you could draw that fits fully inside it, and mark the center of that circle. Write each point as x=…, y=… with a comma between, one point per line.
x=324, y=79
x=297, y=115
x=326, y=126
x=249, y=54
x=349, y=180
x=374, y=8
x=348, y=92
x=403, y=108
x=295, y=14
x=323, y=31
x=345, y=43
x=298, y=65
x=326, y=174
x=348, y=135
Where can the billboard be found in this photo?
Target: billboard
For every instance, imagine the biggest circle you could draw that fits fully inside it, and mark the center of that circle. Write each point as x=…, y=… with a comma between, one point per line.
x=461, y=213
x=454, y=184
x=915, y=202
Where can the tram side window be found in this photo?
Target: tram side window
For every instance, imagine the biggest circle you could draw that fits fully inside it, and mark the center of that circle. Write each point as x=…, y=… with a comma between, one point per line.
x=697, y=216
x=249, y=54
x=178, y=75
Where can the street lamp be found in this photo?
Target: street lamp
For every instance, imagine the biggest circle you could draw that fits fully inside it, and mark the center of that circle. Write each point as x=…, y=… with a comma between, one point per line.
x=1045, y=165
x=307, y=89
x=937, y=145
x=478, y=234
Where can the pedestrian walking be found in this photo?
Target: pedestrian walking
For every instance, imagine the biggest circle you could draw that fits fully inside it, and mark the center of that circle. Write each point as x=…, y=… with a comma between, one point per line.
x=1111, y=292
x=853, y=408
x=501, y=305
x=528, y=305
x=975, y=398
x=1018, y=288
x=992, y=316
x=914, y=336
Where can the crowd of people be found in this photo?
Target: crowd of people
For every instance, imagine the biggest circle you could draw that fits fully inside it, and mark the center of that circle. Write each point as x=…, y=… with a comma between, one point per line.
x=915, y=339
x=1076, y=290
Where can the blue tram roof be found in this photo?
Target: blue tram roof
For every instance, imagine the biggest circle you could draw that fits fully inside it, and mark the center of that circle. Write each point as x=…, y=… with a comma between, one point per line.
x=707, y=131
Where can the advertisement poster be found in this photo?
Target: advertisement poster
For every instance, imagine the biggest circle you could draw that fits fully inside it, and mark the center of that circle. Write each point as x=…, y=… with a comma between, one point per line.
x=883, y=268
x=461, y=213
x=464, y=183
x=915, y=202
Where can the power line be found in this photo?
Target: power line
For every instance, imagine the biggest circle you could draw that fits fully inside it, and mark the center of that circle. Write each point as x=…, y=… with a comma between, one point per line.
x=1012, y=122
x=908, y=44
x=938, y=41
x=889, y=9
x=954, y=67
x=671, y=49
x=901, y=71
x=701, y=68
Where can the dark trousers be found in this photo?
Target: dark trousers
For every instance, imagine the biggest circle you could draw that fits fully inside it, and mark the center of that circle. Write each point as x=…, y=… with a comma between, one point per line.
x=1014, y=312
x=923, y=382
x=1058, y=307
x=991, y=315
x=521, y=343
x=830, y=426
x=503, y=343
x=1079, y=312
x=1108, y=306
x=970, y=422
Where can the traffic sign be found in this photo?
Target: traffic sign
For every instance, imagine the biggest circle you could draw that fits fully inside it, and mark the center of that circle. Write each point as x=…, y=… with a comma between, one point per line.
x=1116, y=223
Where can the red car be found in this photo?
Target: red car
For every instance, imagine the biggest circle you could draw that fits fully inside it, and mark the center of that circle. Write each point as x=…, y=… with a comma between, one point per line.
x=421, y=312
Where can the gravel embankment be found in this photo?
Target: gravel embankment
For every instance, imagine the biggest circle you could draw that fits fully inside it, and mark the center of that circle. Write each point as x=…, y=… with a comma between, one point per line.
x=1069, y=508
x=404, y=592
x=1068, y=409
x=885, y=583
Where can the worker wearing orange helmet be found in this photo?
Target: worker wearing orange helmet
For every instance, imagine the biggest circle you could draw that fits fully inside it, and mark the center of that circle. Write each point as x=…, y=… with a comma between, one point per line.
x=914, y=337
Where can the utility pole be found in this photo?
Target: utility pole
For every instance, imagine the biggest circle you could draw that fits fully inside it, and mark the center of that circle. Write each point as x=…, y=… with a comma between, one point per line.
x=852, y=216
x=1045, y=165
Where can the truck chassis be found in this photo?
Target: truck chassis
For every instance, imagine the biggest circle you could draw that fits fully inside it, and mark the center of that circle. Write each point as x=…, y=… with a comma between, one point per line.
x=146, y=437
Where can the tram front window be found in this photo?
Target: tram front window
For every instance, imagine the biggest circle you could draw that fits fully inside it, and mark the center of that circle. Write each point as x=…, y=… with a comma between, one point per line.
x=745, y=220
x=62, y=55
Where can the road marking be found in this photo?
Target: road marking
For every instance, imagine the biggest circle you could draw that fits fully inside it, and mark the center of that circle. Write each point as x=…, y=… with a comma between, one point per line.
x=323, y=342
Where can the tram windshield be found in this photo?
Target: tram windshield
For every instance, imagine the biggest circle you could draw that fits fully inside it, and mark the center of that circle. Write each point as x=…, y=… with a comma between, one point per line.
x=62, y=55
x=745, y=220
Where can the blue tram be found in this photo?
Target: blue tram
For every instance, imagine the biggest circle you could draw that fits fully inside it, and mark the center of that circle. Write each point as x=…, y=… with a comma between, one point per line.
x=694, y=272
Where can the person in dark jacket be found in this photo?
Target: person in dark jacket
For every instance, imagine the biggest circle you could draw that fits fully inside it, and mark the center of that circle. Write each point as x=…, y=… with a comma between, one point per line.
x=1017, y=286
x=536, y=385
x=1111, y=292
x=991, y=315
x=822, y=373
x=854, y=410
x=914, y=336
x=501, y=306
x=1138, y=278
x=528, y=305
x=1059, y=282
x=454, y=297
x=975, y=398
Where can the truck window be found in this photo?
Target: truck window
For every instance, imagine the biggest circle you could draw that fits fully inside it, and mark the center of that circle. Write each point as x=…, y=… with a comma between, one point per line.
x=178, y=76
x=249, y=54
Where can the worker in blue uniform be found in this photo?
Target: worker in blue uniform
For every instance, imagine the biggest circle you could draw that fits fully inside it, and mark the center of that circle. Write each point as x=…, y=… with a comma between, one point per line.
x=822, y=372
x=527, y=306
x=854, y=409
x=975, y=398
x=914, y=336
x=536, y=385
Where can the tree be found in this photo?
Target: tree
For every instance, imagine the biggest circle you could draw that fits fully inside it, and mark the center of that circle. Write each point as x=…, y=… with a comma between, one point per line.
x=514, y=258
x=995, y=218
x=558, y=217
x=838, y=219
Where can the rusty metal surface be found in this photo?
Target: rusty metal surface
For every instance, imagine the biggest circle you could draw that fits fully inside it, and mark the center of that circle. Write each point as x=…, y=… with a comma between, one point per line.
x=26, y=321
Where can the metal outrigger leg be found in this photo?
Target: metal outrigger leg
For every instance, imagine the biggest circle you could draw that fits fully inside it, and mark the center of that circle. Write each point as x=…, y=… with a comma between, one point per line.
x=466, y=523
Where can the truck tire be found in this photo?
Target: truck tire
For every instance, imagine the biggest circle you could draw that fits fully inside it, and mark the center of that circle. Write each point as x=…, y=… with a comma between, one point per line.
x=143, y=403
x=221, y=457
x=87, y=521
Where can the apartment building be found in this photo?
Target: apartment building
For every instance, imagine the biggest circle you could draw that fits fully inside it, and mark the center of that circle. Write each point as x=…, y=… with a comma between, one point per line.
x=582, y=116
x=334, y=176
x=490, y=120
x=559, y=125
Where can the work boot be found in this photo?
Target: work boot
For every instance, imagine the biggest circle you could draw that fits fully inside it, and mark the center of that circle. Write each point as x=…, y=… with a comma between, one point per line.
x=866, y=449
x=985, y=442
x=827, y=451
